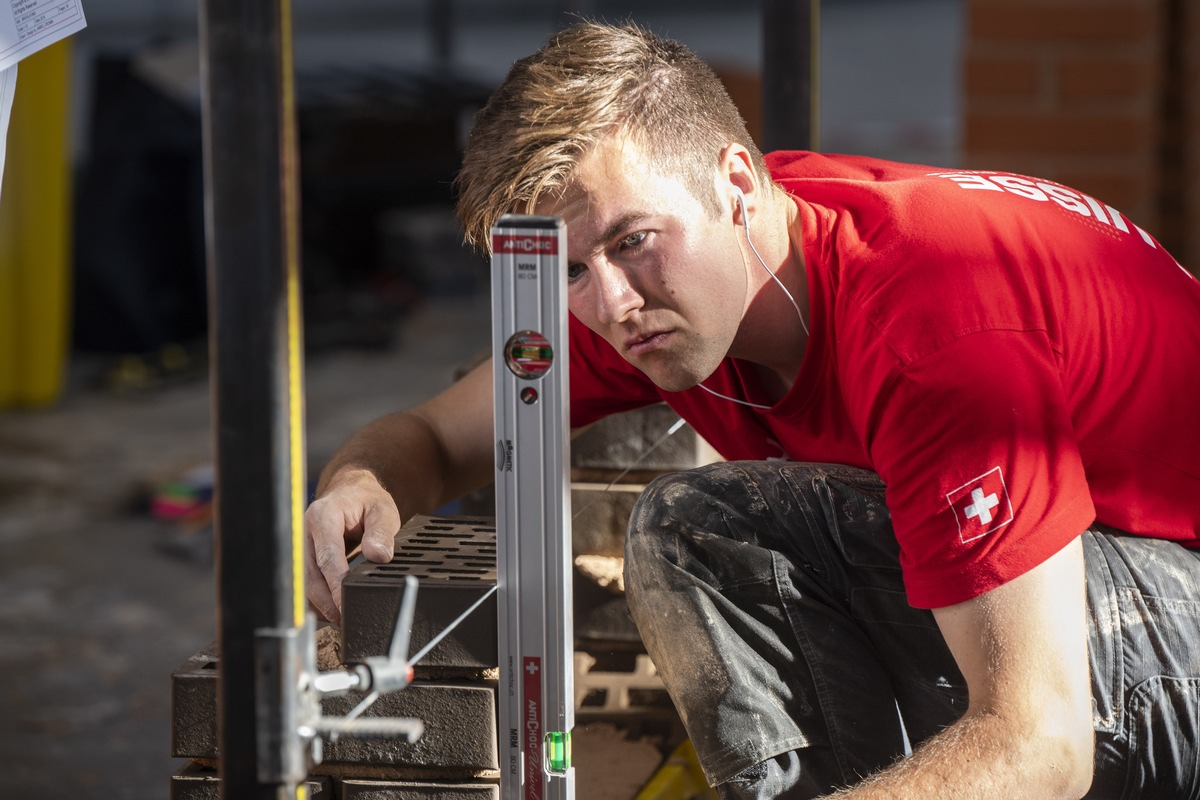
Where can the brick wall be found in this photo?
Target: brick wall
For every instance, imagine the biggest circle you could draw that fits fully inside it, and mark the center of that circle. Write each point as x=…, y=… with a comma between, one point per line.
x=1191, y=91
x=1086, y=92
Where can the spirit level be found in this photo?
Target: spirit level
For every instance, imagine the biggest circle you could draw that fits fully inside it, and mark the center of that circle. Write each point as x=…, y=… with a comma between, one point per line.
x=533, y=526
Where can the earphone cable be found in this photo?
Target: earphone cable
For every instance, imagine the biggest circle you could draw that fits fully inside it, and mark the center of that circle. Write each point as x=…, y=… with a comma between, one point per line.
x=774, y=277
x=759, y=406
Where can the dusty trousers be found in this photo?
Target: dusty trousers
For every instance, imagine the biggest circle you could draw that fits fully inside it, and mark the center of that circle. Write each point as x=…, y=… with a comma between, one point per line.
x=770, y=598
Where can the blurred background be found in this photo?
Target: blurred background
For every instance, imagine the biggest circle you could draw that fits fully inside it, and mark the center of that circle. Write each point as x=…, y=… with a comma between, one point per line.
x=105, y=442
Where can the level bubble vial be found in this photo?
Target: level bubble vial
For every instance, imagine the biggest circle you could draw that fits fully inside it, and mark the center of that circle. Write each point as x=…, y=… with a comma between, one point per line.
x=528, y=354
x=558, y=752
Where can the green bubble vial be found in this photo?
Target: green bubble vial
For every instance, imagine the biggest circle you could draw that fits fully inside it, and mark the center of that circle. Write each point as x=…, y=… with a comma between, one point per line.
x=558, y=752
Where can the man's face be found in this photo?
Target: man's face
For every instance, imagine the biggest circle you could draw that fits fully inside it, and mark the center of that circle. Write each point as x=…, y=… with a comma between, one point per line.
x=649, y=268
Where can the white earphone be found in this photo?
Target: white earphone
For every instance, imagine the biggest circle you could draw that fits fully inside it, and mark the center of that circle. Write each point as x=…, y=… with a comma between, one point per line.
x=741, y=197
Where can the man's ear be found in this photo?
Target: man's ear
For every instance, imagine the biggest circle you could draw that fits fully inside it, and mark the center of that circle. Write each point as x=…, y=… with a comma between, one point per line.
x=737, y=181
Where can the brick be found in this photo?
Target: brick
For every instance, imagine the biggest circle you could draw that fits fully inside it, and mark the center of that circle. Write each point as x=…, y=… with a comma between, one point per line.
x=459, y=718
x=353, y=789
x=614, y=685
x=1093, y=24
x=1001, y=76
x=194, y=706
x=1190, y=254
x=600, y=517
x=371, y=595
x=1059, y=134
x=1099, y=124
x=194, y=782
x=454, y=560
x=460, y=727
x=745, y=90
x=1107, y=78
x=623, y=440
x=602, y=617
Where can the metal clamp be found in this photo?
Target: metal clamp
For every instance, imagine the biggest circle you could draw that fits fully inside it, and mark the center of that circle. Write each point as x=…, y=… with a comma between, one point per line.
x=294, y=705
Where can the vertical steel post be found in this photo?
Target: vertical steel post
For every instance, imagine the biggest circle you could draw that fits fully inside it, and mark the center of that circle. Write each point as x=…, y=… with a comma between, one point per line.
x=441, y=31
x=251, y=198
x=791, y=85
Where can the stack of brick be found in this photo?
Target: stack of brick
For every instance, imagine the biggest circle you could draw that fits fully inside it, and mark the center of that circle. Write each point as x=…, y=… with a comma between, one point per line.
x=454, y=691
x=611, y=463
x=1102, y=95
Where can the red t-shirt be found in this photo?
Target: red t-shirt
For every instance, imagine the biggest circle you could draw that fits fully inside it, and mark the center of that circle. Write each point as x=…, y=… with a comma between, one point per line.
x=1014, y=358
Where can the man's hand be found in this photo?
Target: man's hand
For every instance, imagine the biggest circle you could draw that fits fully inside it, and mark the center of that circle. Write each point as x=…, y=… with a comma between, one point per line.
x=354, y=508
x=434, y=453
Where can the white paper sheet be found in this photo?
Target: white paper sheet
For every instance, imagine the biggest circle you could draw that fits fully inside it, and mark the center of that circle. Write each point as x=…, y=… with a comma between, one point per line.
x=8, y=85
x=27, y=26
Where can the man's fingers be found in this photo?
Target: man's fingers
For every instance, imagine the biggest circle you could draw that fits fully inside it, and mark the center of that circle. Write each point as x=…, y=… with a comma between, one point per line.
x=325, y=558
x=381, y=523
x=319, y=594
x=358, y=508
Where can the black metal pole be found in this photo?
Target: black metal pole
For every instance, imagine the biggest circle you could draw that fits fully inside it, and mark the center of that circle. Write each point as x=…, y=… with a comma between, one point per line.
x=791, y=58
x=254, y=319
x=441, y=30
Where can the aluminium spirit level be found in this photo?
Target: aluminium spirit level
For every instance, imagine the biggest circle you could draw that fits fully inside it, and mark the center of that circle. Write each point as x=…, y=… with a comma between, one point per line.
x=533, y=525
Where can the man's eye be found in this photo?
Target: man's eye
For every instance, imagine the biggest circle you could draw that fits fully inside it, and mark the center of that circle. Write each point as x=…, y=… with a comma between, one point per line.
x=634, y=239
x=575, y=270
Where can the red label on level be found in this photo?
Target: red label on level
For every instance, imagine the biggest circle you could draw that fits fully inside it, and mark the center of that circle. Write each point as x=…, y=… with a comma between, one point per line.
x=525, y=243
x=532, y=719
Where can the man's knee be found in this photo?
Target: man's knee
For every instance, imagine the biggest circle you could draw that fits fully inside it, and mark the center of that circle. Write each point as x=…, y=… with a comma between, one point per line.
x=646, y=535
x=670, y=504
x=669, y=525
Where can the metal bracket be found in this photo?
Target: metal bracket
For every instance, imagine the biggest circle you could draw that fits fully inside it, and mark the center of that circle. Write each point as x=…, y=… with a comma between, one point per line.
x=289, y=690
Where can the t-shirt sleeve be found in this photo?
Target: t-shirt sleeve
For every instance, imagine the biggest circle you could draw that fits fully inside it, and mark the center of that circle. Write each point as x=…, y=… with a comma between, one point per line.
x=983, y=472
x=602, y=382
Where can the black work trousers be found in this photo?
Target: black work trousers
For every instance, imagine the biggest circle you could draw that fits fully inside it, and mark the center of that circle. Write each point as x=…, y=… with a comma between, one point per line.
x=770, y=598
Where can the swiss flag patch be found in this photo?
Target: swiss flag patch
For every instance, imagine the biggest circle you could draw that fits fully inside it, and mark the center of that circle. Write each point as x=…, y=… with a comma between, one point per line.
x=981, y=506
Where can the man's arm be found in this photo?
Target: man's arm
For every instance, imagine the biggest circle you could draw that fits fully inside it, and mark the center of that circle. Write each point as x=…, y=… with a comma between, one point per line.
x=1027, y=733
x=403, y=464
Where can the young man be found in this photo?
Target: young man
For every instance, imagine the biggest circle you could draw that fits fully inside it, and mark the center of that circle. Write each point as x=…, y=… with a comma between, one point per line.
x=960, y=413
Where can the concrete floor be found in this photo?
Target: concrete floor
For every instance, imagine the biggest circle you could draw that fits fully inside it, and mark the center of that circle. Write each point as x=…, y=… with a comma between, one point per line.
x=96, y=608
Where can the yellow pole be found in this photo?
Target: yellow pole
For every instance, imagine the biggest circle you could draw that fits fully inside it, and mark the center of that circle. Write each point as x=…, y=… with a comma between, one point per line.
x=35, y=233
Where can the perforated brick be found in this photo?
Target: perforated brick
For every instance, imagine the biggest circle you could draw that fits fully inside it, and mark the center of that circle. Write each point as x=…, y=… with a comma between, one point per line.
x=454, y=560
x=623, y=683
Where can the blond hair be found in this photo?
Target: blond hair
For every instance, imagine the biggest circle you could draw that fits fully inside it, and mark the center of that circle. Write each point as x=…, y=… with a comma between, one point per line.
x=589, y=81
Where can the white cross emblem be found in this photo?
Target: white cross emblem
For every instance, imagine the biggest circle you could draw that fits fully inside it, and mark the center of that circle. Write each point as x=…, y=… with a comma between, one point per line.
x=981, y=506
x=531, y=667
